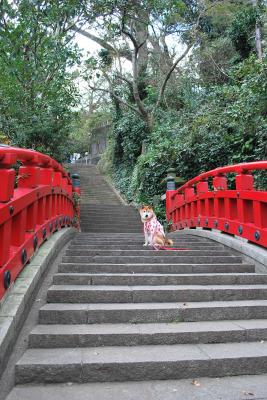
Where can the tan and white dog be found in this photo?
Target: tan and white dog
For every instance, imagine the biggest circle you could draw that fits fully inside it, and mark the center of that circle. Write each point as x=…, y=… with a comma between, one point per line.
x=153, y=230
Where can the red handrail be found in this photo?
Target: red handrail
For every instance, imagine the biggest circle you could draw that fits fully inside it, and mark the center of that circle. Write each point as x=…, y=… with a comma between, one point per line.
x=33, y=205
x=241, y=211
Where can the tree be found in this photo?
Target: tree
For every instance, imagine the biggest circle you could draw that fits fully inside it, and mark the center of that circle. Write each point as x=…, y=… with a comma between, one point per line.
x=138, y=32
x=37, y=93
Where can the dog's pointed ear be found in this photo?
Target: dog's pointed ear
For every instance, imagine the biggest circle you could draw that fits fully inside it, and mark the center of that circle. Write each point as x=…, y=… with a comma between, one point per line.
x=141, y=207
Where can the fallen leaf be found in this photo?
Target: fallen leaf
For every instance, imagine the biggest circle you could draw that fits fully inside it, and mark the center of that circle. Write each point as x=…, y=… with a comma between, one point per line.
x=195, y=383
x=248, y=393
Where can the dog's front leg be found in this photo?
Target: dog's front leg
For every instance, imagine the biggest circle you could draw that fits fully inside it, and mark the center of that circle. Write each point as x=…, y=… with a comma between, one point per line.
x=146, y=239
x=150, y=240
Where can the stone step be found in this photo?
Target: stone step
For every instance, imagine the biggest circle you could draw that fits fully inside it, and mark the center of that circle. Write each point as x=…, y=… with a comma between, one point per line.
x=140, y=235
x=108, y=246
x=110, y=211
x=88, y=228
x=143, y=294
x=119, y=207
x=83, y=313
x=158, y=279
x=111, y=219
x=102, y=364
x=146, y=252
x=101, y=224
x=106, y=240
x=122, y=217
x=125, y=238
x=226, y=388
x=53, y=336
x=105, y=243
x=156, y=268
x=182, y=258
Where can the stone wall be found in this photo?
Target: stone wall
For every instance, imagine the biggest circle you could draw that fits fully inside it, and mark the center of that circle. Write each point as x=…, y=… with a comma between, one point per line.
x=98, y=143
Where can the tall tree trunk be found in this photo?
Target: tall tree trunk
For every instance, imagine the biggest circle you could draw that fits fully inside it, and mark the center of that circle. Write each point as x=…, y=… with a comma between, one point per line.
x=258, y=33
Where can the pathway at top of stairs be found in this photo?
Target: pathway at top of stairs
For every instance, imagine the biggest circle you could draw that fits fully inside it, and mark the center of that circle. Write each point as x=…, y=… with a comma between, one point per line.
x=121, y=319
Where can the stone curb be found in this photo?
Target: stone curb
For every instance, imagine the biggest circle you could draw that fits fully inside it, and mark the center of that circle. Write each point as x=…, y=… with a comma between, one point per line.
x=251, y=253
x=18, y=300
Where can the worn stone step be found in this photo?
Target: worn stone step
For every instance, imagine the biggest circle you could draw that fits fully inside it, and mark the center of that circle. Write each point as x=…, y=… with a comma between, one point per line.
x=126, y=237
x=136, y=236
x=142, y=294
x=110, y=214
x=53, y=336
x=107, y=207
x=108, y=246
x=101, y=364
x=139, y=253
x=225, y=388
x=158, y=279
x=170, y=268
x=105, y=224
x=101, y=219
x=135, y=241
x=88, y=228
x=87, y=209
x=75, y=313
x=103, y=242
x=182, y=258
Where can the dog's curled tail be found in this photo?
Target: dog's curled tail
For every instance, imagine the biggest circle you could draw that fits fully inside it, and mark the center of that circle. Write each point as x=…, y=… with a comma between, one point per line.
x=168, y=242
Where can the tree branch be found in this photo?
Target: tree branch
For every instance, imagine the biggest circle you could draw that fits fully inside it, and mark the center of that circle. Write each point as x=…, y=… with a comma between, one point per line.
x=116, y=97
x=103, y=43
x=167, y=77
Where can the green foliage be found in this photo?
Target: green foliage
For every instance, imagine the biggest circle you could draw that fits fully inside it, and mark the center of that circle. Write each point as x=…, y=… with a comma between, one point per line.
x=37, y=93
x=129, y=133
x=241, y=30
x=226, y=124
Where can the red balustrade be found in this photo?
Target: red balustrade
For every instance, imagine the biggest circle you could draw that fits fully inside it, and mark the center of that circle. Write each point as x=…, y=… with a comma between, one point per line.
x=33, y=204
x=205, y=201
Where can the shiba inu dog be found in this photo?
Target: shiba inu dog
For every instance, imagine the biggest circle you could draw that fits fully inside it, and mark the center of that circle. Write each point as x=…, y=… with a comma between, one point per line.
x=153, y=230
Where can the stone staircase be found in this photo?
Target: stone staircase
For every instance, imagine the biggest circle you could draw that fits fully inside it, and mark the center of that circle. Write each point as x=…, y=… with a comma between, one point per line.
x=120, y=312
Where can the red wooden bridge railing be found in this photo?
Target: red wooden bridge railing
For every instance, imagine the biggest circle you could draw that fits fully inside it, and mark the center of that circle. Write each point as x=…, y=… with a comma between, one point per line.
x=205, y=201
x=34, y=203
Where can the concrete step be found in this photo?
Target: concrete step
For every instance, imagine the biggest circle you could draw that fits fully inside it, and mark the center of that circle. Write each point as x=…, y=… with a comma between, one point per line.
x=182, y=258
x=94, y=219
x=136, y=236
x=108, y=246
x=226, y=388
x=104, y=242
x=142, y=294
x=88, y=228
x=170, y=268
x=53, y=336
x=102, y=364
x=75, y=313
x=115, y=226
x=146, y=252
x=134, y=242
x=106, y=207
x=158, y=279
